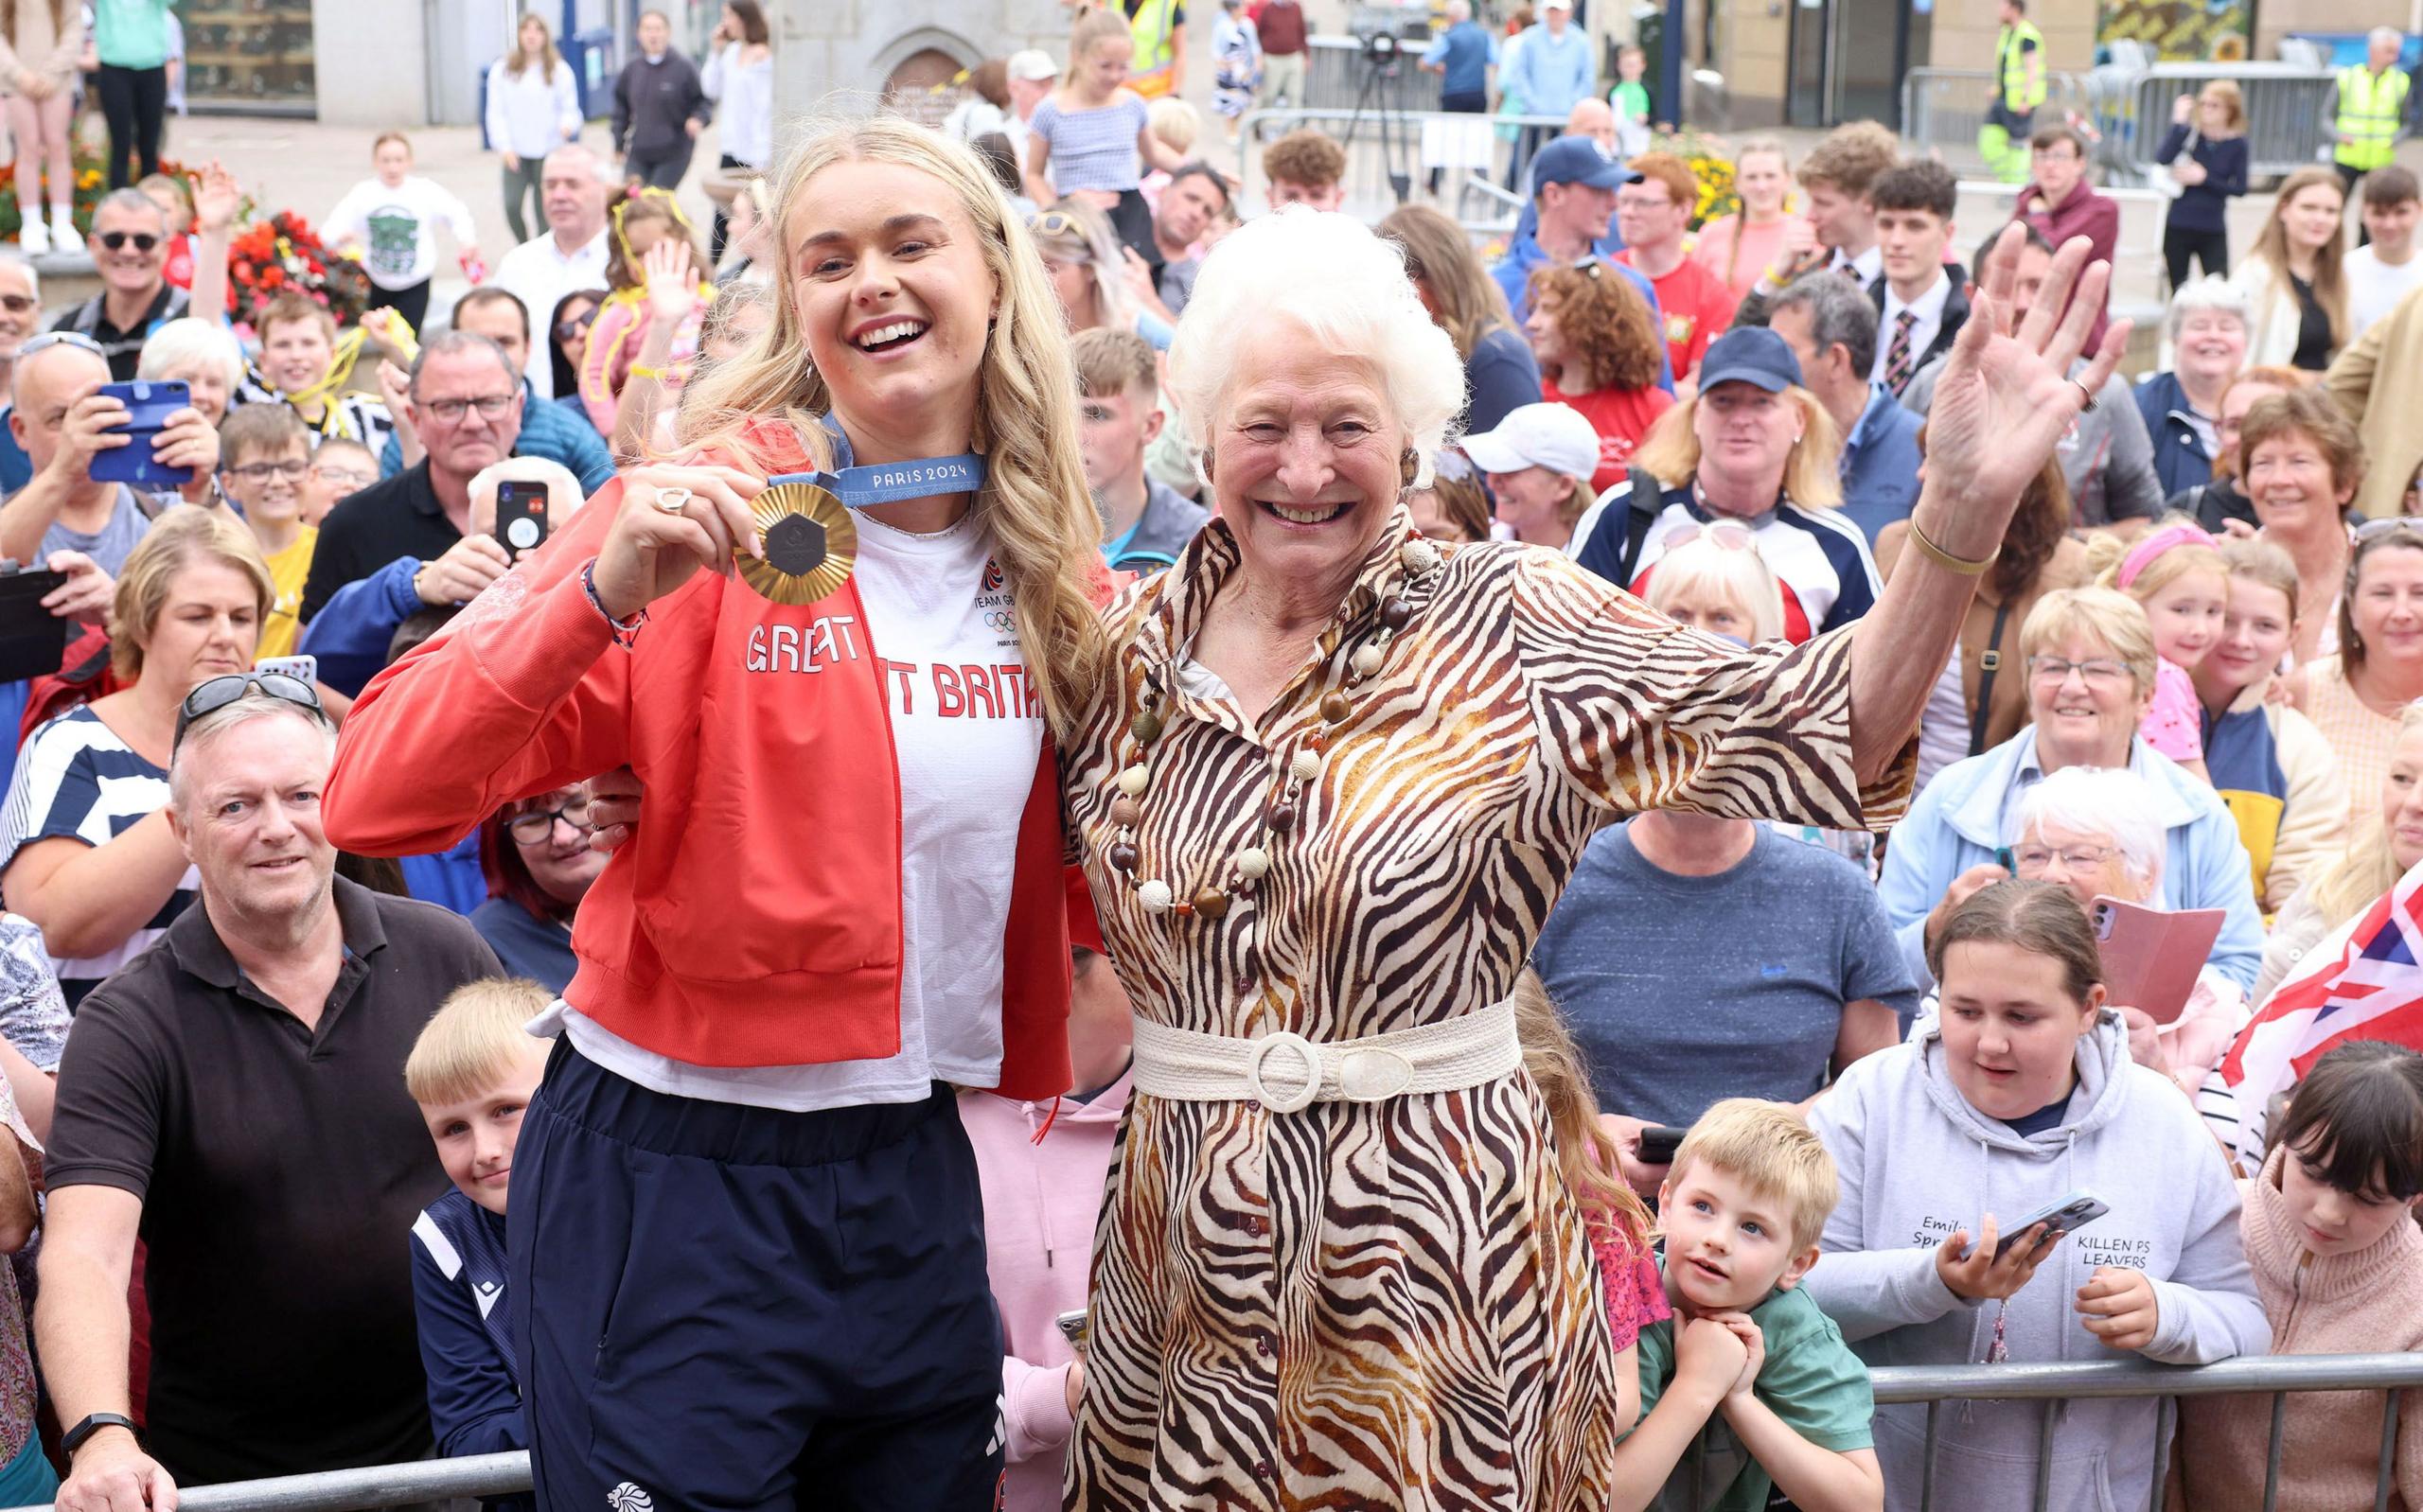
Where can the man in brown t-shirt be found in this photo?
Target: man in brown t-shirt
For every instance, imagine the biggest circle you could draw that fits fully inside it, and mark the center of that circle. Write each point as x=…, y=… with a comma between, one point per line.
x=235, y=1098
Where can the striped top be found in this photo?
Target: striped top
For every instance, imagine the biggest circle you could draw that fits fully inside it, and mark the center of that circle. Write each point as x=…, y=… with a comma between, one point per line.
x=76, y=779
x=1092, y=150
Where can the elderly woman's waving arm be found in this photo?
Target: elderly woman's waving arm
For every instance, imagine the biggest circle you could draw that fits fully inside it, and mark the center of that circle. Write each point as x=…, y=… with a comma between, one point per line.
x=2000, y=410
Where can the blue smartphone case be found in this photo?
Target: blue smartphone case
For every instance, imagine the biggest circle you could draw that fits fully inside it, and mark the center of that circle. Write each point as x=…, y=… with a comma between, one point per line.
x=148, y=404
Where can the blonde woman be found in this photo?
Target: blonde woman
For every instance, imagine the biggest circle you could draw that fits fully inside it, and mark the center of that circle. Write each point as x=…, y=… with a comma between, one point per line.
x=2387, y=844
x=1500, y=373
x=2210, y=128
x=1738, y=247
x=533, y=108
x=742, y=1124
x=2294, y=280
x=1088, y=272
x=1756, y=447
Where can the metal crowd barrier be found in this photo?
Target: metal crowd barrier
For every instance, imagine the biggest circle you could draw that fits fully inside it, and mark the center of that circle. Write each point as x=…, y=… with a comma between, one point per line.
x=2285, y=125
x=1482, y=213
x=2278, y=1376
x=1942, y=108
x=1335, y=68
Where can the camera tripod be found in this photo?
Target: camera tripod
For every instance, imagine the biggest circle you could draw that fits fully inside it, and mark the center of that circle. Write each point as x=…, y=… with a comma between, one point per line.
x=1383, y=56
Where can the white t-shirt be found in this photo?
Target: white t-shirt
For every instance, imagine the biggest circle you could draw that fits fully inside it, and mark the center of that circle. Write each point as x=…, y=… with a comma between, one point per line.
x=2375, y=287
x=540, y=274
x=394, y=226
x=967, y=731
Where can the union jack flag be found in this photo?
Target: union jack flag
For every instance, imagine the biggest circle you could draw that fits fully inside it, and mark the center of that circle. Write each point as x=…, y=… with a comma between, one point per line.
x=2365, y=981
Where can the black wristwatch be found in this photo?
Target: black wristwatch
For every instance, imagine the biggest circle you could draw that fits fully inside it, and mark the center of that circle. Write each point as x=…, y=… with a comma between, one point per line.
x=93, y=1423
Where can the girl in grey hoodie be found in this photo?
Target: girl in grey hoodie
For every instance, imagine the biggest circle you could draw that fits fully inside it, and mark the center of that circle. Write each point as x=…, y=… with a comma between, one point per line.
x=2021, y=1093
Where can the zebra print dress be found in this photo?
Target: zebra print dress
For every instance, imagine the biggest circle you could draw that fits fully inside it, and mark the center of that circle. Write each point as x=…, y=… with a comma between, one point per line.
x=1392, y=1304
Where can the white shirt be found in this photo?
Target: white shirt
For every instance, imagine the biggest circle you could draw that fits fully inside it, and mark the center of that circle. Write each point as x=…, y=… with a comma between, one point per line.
x=394, y=225
x=539, y=274
x=1928, y=308
x=745, y=92
x=532, y=115
x=2375, y=287
x=966, y=730
x=1870, y=265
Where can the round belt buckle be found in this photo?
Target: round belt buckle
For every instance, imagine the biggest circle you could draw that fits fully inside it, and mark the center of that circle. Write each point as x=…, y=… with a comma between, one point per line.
x=1293, y=1102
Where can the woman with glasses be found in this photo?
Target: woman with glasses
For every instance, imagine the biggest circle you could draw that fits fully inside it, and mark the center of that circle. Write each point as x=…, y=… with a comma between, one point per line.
x=539, y=863
x=2355, y=698
x=85, y=850
x=2087, y=656
x=568, y=341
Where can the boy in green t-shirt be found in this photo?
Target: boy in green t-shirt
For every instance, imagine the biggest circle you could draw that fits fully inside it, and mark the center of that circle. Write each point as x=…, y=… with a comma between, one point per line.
x=1749, y=1386
x=1630, y=97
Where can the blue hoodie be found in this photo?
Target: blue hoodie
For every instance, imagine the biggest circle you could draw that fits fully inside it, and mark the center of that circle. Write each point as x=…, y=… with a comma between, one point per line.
x=1956, y=822
x=1916, y=1161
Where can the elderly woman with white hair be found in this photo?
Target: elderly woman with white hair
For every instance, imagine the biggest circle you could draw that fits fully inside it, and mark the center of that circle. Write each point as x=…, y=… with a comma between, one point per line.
x=200, y=354
x=2181, y=405
x=1338, y=778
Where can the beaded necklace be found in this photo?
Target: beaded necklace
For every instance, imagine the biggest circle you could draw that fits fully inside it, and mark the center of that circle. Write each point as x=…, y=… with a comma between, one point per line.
x=1417, y=558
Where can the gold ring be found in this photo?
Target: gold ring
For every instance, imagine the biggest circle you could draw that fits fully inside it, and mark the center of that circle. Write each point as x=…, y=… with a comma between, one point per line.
x=672, y=501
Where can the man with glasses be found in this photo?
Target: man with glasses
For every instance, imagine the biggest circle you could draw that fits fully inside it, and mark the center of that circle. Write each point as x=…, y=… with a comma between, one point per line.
x=464, y=402
x=570, y=255
x=236, y=1097
x=129, y=247
x=548, y=431
x=62, y=421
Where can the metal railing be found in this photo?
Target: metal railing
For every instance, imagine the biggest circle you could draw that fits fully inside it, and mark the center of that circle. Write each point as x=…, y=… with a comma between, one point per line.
x=1377, y=147
x=2285, y=128
x=1942, y=108
x=2277, y=1375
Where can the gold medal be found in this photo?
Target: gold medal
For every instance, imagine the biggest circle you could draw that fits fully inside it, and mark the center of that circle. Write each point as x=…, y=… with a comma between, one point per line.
x=811, y=543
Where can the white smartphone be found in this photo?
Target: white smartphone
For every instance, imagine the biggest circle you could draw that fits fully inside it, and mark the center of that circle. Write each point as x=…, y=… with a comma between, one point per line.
x=2064, y=1214
x=305, y=668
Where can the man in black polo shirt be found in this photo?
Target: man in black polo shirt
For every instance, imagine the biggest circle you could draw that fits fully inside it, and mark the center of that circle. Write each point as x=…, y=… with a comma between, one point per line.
x=130, y=246
x=235, y=1098
x=466, y=403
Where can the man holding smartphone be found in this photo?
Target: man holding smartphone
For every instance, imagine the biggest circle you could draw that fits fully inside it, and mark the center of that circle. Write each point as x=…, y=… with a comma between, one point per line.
x=62, y=418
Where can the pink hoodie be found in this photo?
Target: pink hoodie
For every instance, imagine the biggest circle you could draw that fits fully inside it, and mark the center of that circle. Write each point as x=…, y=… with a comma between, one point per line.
x=1041, y=1202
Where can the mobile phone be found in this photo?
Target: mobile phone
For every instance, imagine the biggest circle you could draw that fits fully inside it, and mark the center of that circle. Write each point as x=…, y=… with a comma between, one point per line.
x=1658, y=1143
x=2064, y=1214
x=301, y=668
x=520, y=515
x=33, y=640
x=148, y=404
x=2003, y=859
x=1072, y=1327
x=2152, y=956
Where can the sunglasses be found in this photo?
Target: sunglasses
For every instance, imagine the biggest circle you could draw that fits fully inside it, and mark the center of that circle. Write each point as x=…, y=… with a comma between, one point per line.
x=1057, y=224
x=577, y=327
x=215, y=694
x=51, y=339
x=116, y=240
x=1454, y=466
x=1723, y=535
x=2376, y=529
x=17, y=303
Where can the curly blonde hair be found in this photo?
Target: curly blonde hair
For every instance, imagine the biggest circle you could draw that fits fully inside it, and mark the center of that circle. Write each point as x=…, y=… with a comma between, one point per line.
x=1604, y=322
x=1047, y=535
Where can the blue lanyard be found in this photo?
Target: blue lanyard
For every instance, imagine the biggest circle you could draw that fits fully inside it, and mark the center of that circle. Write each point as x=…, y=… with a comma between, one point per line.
x=892, y=481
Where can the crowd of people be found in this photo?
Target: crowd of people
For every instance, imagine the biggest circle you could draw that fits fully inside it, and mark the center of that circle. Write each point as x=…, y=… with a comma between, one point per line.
x=1425, y=878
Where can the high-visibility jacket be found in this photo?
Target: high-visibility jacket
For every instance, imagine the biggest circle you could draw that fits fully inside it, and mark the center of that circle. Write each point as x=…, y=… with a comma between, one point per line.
x=1151, y=26
x=2019, y=92
x=2370, y=107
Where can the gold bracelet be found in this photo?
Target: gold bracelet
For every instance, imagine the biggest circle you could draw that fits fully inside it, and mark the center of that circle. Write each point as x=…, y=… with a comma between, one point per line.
x=1944, y=559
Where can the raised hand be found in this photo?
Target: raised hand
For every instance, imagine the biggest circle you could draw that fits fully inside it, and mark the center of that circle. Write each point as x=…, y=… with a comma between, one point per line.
x=672, y=283
x=215, y=198
x=2006, y=397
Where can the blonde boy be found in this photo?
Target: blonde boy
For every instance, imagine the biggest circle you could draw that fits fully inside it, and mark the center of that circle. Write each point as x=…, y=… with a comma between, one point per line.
x=1748, y=1385
x=473, y=1069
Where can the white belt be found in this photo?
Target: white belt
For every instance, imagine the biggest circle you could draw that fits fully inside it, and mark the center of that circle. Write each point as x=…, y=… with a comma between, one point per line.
x=1286, y=1072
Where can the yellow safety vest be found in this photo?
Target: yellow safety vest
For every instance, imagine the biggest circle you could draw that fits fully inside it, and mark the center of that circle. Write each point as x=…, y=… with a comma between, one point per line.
x=2370, y=105
x=2018, y=94
x=1151, y=27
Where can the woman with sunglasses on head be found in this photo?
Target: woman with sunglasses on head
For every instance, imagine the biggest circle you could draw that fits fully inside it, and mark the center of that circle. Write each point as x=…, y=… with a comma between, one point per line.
x=1088, y=272
x=539, y=862
x=851, y=887
x=1754, y=446
x=1454, y=507
x=85, y=850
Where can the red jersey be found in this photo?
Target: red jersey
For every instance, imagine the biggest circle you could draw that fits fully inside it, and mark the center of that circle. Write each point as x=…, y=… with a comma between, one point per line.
x=1697, y=307
x=1622, y=418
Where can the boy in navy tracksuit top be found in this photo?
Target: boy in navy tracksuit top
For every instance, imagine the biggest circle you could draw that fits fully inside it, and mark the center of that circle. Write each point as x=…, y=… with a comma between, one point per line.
x=472, y=1071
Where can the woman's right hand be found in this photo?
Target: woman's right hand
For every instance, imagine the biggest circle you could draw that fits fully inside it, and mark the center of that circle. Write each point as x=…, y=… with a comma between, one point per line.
x=672, y=283
x=651, y=550
x=1975, y=1272
x=2183, y=110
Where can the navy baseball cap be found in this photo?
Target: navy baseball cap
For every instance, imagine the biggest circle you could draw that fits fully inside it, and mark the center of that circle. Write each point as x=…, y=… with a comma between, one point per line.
x=1751, y=354
x=1577, y=159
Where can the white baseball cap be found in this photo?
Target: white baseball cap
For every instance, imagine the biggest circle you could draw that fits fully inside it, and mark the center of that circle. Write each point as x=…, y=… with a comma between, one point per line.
x=1554, y=436
x=1033, y=65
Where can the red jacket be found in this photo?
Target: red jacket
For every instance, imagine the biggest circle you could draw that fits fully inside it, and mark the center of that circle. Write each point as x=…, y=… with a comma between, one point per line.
x=754, y=918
